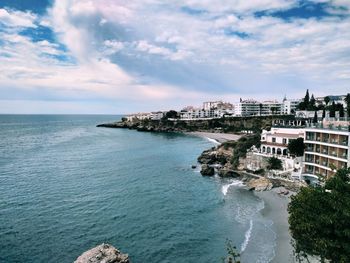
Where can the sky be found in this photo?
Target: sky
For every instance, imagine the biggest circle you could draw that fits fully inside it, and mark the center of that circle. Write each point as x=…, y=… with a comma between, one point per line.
x=123, y=56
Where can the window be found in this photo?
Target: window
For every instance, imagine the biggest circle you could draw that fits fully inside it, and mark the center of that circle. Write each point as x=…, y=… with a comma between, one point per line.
x=273, y=139
x=284, y=141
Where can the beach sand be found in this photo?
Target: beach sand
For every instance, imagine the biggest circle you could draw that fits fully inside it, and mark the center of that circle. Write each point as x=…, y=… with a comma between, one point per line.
x=219, y=137
x=276, y=210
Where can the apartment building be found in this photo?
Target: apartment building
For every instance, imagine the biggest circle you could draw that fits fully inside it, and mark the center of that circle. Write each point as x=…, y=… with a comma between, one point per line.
x=327, y=148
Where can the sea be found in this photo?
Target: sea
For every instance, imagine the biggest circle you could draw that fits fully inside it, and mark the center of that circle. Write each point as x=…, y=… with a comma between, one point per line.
x=67, y=186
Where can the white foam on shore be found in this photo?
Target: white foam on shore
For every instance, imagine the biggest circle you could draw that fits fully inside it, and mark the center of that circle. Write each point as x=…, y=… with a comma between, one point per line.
x=247, y=236
x=225, y=187
x=213, y=140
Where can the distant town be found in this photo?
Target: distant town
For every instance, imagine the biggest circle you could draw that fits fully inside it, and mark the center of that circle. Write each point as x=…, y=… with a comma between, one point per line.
x=311, y=145
x=251, y=107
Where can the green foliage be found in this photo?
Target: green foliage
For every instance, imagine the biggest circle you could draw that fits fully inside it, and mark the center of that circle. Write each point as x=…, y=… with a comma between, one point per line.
x=171, y=114
x=241, y=146
x=296, y=147
x=274, y=164
x=326, y=100
x=319, y=220
x=232, y=255
x=312, y=103
x=308, y=103
x=314, y=120
x=347, y=100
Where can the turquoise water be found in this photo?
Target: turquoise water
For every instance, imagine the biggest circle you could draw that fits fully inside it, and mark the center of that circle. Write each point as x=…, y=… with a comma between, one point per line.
x=67, y=186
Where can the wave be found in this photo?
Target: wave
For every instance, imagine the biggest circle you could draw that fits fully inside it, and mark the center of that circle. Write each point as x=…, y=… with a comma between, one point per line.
x=213, y=141
x=225, y=187
x=247, y=236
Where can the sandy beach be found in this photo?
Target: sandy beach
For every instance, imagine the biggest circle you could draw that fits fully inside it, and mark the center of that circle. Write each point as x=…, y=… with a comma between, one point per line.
x=276, y=210
x=219, y=137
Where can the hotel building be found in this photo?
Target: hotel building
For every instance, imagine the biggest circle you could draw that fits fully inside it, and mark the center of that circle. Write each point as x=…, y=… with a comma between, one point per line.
x=275, y=141
x=327, y=148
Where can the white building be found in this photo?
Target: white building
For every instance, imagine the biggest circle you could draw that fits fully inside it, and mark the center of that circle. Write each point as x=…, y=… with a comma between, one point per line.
x=255, y=108
x=332, y=98
x=290, y=106
x=208, y=105
x=247, y=108
x=203, y=114
x=138, y=116
x=157, y=115
x=275, y=141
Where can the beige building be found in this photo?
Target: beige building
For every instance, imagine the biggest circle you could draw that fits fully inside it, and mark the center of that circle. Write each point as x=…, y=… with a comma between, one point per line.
x=327, y=148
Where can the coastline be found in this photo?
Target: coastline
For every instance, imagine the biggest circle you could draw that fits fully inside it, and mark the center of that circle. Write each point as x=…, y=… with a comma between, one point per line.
x=276, y=210
x=218, y=137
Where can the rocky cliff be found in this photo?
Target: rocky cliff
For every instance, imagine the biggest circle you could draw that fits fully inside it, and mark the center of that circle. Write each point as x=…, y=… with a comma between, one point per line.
x=227, y=124
x=104, y=253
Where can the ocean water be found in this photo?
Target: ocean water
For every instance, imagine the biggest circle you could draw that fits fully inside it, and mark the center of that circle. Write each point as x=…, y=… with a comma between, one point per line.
x=67, y=186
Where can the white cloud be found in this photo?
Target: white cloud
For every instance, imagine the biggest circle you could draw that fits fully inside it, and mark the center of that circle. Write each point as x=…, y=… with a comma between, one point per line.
x=219, y=44
x=13, y=18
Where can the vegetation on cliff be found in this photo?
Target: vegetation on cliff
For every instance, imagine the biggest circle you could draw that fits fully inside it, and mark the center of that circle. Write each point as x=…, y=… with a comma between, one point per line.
x=241, y=146
x=296, y=147
x=319, y=219
x=226, y=124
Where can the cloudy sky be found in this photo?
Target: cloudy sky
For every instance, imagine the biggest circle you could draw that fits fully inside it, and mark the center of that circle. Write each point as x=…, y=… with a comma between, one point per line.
x=120, y=56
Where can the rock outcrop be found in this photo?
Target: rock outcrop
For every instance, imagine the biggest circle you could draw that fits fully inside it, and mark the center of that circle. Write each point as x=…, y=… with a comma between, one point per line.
x=207, y=170
x=208, y=156
x=227, y=171
x=103, y=253
x=261, y=184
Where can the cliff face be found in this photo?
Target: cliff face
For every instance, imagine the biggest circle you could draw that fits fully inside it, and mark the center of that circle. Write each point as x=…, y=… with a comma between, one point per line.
x=104, y=253
x=231, y=124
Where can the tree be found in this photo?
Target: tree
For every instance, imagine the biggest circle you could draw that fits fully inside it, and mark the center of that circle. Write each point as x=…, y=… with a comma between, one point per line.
x=303, y=105
x=347, y=101
x=323, y=114
x=319, y=219
x=307, y=98
x=171, y=114
x=326, y=100
x=296, y=147
x=332, y=109
x=260, y=108
x=274, y=164
x=341, y=110
x=312, y=103
x=314, y=120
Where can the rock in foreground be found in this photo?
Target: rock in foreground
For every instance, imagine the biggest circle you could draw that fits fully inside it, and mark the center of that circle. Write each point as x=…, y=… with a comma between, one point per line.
x=103, y=254
x=261, y=184
x=207, y=170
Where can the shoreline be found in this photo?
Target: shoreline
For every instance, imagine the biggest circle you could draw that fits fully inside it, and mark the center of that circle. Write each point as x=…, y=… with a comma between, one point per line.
x=216, y=136
x=275, y=209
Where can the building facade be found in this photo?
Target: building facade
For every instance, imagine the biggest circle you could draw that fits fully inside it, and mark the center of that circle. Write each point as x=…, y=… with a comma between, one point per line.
x=327, y=148
x=275, y=141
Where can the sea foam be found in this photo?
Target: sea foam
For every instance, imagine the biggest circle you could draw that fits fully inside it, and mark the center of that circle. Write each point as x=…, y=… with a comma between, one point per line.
x=227, y=186
x=247, y=236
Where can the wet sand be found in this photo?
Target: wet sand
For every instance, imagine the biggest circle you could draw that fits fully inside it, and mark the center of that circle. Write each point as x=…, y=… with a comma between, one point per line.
x=276, y=210
x=219, y=137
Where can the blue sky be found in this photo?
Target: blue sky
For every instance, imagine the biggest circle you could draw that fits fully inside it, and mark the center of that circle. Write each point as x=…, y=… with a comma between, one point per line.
x=121, y=56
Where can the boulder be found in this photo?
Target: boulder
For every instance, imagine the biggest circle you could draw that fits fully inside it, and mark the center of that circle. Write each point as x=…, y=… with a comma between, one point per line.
x=103, y=253
x=261, y=184
x=208, y=157
x=207, y=170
